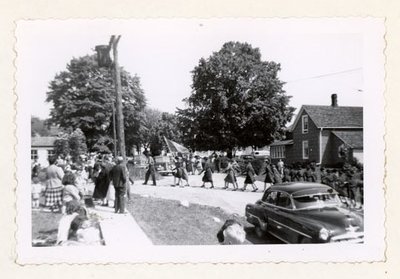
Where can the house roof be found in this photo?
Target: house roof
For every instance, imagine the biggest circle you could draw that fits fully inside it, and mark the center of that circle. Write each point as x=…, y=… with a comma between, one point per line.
x=354, y=139
x=332, y=117
x=282, y=142
x=43, y=141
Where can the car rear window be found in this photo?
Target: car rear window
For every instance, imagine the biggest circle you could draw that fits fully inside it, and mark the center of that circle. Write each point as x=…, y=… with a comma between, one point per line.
x=316, y=200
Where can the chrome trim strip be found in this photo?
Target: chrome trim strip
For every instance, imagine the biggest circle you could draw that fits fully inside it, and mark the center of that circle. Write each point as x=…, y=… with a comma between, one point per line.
x=278, y=237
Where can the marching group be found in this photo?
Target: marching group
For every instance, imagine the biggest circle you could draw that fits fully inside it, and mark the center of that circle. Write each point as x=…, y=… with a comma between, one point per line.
x=64, y=181
x=347, y=181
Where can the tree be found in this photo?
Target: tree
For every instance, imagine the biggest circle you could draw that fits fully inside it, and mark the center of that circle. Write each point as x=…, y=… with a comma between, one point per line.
x=237, y=101
x=77, y=144
x=61, y=145
x=158, y=125
x=39, y=127
x=72, y=144
x=83, y=97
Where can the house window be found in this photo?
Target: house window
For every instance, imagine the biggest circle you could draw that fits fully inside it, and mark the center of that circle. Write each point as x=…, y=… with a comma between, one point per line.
x=34, y=154
x=278, y=152
x=305, y=149
x=304, y=121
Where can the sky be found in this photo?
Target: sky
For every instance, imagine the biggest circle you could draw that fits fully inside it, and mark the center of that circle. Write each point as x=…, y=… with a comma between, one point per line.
x=317, y=57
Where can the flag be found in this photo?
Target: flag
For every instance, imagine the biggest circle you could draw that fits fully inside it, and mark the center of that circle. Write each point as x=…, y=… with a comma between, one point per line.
x=175, y=147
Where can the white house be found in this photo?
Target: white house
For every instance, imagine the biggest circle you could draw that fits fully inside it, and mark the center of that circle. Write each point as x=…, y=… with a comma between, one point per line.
x=41, y=149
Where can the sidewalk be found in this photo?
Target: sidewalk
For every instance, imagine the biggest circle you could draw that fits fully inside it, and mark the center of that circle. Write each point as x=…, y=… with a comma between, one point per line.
x=120, y=230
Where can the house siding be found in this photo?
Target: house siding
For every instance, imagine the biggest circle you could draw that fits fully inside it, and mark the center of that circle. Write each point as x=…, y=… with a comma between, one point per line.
x=313, y=141
x=288, y=154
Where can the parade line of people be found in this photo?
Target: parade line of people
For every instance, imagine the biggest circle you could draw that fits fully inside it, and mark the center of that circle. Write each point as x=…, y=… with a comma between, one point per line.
x=64, y=181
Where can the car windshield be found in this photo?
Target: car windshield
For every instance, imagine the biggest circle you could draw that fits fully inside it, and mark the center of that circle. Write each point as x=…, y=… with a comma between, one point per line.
x=316, y=200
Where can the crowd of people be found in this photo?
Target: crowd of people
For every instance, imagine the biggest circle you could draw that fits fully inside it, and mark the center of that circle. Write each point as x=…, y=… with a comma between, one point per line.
x=64, y=181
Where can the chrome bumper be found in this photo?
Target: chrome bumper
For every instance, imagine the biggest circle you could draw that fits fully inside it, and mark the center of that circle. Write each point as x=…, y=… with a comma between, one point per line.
x=351, y=237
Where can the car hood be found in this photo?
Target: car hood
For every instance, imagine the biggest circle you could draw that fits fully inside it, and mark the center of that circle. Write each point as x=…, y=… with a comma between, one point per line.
x=336, y=219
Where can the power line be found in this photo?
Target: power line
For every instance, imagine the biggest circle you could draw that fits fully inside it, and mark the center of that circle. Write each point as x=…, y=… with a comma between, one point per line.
x=326, y=75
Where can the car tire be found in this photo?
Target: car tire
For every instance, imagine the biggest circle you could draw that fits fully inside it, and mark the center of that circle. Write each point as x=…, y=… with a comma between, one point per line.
x=259, y=232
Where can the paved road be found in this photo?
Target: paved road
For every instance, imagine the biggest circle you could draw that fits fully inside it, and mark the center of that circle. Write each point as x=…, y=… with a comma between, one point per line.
x=228, y=200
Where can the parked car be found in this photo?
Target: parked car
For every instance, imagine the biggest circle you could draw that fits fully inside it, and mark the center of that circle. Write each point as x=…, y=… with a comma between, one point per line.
x=263, y=154
x=164, y=165
x=305, y=212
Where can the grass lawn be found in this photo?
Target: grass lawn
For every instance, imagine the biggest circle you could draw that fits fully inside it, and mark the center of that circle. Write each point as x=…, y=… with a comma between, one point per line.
x=166, y=222
x=44, y=228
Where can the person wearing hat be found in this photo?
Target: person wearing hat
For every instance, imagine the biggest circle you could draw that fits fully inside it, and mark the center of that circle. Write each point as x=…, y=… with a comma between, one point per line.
x=269, y=175
x=119, y=178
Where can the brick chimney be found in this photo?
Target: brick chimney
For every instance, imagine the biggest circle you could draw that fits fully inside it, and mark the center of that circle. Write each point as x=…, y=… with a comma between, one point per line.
x=334, y=100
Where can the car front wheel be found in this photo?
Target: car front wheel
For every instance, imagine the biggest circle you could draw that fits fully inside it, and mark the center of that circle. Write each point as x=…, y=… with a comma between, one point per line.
x=259, y=232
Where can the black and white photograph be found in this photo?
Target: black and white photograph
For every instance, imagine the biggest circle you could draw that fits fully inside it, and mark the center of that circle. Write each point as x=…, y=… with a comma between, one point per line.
x=200, y=140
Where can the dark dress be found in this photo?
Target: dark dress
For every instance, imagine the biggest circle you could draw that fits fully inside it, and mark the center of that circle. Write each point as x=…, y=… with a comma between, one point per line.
x=178, y=170
x=250, y=174
x=207, y=177
x=269, y=175
x=102, y=182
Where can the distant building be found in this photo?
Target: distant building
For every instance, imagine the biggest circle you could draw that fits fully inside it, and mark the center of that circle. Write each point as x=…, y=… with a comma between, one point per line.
x=326, y=135
x=42, y=148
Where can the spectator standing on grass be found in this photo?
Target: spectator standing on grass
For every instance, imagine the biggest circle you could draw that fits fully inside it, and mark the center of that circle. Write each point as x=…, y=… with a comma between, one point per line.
x=36, y=189
x=250, y=177
x=119, y=178
x=269, y=175
x=54, y=188
x=208, y=171
x=151, y=171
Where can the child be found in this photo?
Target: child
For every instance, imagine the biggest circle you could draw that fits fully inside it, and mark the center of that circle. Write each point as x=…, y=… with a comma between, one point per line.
x=36, y=191
x=71, y=192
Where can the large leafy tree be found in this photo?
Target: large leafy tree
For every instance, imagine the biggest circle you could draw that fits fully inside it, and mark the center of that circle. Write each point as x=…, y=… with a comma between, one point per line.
x=72, y=144
x=237, y=101
x=158, y=125
x=83, y=97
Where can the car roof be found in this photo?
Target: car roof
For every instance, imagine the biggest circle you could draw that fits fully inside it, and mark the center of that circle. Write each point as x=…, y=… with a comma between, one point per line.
x=302, y=188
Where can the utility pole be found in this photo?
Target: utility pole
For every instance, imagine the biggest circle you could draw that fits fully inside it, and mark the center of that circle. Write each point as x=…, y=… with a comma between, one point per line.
x=117, y=74
x=104, y=60
x=114, y=130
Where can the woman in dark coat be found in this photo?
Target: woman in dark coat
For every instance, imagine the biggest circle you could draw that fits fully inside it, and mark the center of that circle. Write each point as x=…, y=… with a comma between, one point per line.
x=269, y=175
x=178, y=171
x=250, y=177
x=102, y=182
x=208, y=171
x=230, y=176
